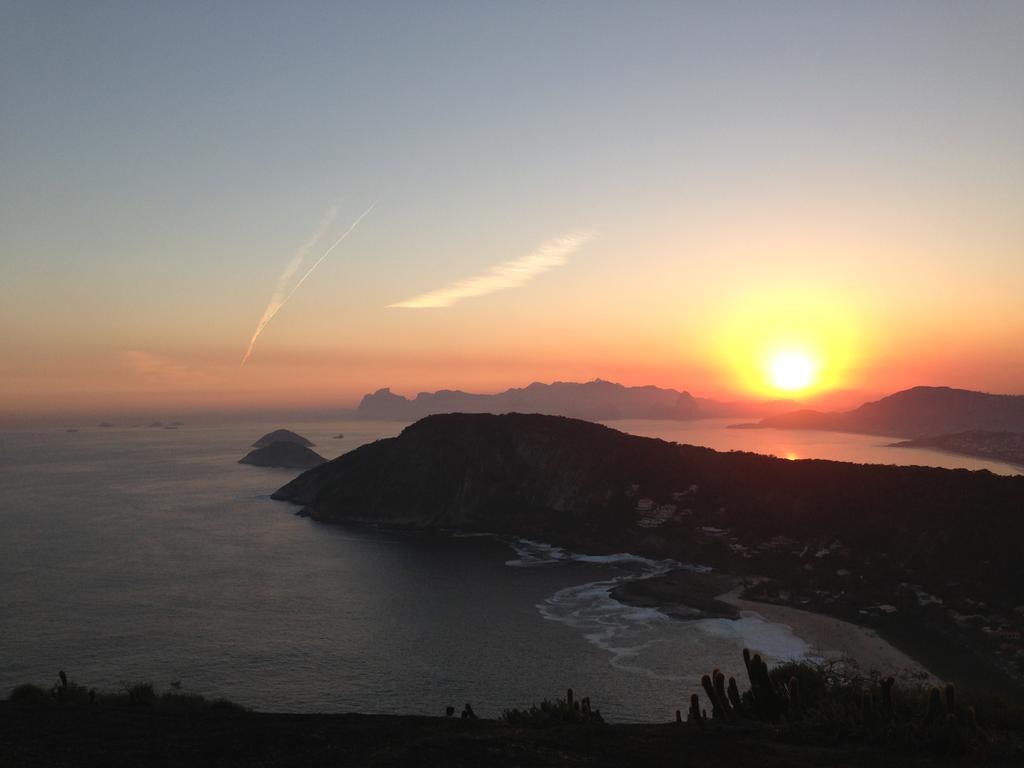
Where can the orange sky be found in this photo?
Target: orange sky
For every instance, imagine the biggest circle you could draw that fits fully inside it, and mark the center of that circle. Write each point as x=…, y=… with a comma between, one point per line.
x=839, y=182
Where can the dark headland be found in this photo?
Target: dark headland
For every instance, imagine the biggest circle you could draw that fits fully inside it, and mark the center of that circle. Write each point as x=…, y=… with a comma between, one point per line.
x=930, y=558
x=940, y=418
x=1002, y=446
x=912, y=413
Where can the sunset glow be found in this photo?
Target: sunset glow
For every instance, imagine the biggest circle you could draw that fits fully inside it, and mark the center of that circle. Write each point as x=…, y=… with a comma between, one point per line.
x=792, y=371
x=362, y=362
x=865, y=244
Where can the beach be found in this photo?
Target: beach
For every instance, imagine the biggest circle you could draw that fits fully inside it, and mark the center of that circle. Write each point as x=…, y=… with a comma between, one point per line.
x=687, y=595
x=832, y=639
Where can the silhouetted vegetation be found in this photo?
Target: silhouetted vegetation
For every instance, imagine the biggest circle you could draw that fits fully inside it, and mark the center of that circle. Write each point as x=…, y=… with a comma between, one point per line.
x=829, y=703
x=67, y=693
x=565, y=710
x=794, y=714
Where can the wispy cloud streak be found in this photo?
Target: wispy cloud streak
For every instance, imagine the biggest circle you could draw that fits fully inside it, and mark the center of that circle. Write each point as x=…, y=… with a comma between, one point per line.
x=510, y=274
x=281, y=295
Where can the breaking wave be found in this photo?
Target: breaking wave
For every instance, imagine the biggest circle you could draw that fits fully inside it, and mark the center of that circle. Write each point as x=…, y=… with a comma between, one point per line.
x=645, y=641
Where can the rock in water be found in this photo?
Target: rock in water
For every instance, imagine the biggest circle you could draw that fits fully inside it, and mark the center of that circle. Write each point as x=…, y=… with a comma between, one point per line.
x=283, y=454
x=282, y=436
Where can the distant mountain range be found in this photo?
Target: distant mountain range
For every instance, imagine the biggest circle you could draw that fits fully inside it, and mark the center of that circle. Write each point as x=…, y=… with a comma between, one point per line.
x=593, y=400
x=914, y=413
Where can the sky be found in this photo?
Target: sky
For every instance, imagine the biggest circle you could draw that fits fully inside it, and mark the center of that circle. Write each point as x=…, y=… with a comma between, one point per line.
x=650, y=193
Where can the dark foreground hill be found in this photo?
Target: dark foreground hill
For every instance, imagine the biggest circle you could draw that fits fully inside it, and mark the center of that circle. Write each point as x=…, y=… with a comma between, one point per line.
x=99, y=738
x=914, y=413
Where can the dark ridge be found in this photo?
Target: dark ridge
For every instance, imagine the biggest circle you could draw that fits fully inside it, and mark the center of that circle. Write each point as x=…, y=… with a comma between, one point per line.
x=915, y=413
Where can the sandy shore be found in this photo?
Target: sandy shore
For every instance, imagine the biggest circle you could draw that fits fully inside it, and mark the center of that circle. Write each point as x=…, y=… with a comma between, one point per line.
x=830, y=638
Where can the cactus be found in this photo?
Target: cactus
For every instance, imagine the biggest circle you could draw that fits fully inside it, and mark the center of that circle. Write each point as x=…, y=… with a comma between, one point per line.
x=867, y=711
x=935, y=711
x=709, y=689
x=718, y=680
x=972, y=721
x=695, y=715
x=715, y=691
x=887, y=685
x=795, y=705
x=766, y=704
x=734, y=698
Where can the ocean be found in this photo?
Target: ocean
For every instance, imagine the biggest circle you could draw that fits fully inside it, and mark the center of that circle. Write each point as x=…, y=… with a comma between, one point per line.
x=150, y=555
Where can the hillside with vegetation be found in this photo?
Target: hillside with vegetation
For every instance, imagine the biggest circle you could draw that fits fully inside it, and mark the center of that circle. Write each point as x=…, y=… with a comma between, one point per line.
x=930, y=557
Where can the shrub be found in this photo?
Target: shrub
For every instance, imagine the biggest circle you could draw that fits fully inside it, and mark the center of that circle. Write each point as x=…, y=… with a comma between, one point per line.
x=67, y=692
x=566, y=710
x=26, y=693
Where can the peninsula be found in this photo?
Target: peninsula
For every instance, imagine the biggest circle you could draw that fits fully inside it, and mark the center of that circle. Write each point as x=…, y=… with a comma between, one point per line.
x=928, y=557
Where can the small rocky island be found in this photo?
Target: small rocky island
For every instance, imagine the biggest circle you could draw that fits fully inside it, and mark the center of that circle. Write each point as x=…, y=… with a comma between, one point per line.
x=282, y=436
x=283, y=454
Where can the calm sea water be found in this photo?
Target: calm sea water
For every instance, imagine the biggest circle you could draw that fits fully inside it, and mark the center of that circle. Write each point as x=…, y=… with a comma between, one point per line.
x=152, y=555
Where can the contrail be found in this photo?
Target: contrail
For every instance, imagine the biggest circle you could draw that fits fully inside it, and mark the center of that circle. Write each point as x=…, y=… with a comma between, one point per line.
x=279, y=298
x=336, y=243
x=510, y=274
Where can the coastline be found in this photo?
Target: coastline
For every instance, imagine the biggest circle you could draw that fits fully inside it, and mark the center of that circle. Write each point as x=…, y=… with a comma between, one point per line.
x=1012, y=460
x=681, y=593
x=689, y=595
x=834, y=639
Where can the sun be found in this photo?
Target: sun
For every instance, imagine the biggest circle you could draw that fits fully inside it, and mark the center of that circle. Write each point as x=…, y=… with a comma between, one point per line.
x=792, y=371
